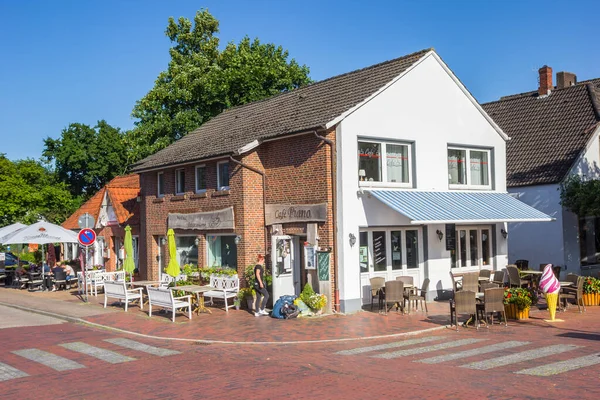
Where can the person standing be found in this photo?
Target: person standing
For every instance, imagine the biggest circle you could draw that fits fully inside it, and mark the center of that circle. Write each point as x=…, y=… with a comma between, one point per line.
x=260, y=287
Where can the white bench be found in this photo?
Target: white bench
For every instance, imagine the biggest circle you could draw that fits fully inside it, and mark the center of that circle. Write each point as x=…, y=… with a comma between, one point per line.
x=225, y=287
x=118, y=290
x=163, y=297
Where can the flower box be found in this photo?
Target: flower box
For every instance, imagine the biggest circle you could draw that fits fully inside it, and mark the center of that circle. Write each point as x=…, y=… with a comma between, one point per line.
x=512, y=312
x=591, y=299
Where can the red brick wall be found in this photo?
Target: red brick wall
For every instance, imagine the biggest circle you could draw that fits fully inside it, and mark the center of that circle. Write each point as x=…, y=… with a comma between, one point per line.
x=297, y=169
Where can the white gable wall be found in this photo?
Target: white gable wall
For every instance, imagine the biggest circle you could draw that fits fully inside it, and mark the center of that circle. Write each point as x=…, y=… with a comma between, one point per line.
x=428, y=108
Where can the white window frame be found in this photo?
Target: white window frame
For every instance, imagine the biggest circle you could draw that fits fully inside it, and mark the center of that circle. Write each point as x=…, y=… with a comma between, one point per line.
x=177, y=181
x=203, y=166
x=219, y=186
x=479, y=229
x=389, y=268
x=160, y=177
x=469, y=185
x=384, y=172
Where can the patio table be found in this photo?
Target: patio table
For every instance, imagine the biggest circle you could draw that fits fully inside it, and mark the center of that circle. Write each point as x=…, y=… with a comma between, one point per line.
x=199, y=291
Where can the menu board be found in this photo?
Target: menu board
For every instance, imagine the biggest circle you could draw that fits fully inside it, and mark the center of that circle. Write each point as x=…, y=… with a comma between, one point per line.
x=323, y=265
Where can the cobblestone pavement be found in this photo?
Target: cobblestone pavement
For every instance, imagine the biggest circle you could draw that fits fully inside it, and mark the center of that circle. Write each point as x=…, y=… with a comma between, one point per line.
x=527, y=359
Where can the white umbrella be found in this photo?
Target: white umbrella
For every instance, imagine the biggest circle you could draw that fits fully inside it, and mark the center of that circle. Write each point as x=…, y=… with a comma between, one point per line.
x=6, y=231
x=42, y=233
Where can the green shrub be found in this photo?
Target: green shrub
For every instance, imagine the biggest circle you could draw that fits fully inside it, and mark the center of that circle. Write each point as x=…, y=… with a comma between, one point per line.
x=591, y=285
x=522, y=297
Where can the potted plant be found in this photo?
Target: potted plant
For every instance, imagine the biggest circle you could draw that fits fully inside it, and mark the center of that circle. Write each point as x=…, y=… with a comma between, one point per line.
x=236, y=302
x=248, y=294
x=591, y=291
x=517, y=302
x=316, y=302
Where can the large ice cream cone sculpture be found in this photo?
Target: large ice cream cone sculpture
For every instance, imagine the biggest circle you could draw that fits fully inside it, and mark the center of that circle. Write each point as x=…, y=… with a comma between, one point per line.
x=550, y=286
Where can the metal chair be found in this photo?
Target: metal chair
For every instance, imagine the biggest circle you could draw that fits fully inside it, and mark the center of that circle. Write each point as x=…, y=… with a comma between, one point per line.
x=420, y=297
x=377, y=284
x=394, y=293
x=464, y=303
x=494, y=303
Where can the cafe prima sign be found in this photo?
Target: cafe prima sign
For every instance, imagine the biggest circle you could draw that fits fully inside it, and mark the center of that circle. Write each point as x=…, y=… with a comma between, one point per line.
x=220, y=219
x=283, y=213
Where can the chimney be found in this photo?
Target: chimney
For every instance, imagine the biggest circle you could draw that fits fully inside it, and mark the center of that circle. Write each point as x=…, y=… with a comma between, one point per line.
x=545, y=80
x=565, y=79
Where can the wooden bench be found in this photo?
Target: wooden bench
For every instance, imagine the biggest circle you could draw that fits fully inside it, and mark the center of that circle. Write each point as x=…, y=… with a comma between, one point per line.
x=225, y=287
x=118, y=290
x=163, y=297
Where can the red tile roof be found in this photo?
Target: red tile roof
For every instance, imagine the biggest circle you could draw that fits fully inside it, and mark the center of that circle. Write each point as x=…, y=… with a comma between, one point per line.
x=122, y=192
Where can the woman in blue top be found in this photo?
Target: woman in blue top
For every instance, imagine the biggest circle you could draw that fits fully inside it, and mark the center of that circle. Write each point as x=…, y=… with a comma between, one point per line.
x=260, y=287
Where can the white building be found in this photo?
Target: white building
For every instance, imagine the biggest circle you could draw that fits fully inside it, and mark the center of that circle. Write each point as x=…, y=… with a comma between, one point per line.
x=554, y=134
x=417, y=161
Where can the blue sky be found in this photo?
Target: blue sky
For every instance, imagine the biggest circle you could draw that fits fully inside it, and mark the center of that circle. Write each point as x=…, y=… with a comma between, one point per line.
x=81, y=61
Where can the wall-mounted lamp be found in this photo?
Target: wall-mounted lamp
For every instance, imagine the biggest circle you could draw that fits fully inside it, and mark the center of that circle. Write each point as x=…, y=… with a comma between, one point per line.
x=504, y=233
x=163, y=241
x=361, y=174
x=196, y=241
x=352, y=240
x=440, y=234
x=237, y=240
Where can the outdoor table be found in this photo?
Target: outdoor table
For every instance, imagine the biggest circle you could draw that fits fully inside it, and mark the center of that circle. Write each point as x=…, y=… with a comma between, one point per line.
x=199, y=291
x=565, y=283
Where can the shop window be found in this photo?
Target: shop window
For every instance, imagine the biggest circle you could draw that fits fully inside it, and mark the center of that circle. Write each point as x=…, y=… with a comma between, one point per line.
x=379, y=251
x=589, y=240
x=469, y=168
x=473, y=247
x=223, y=175
x=160, y=184
x=179, y=181
x=384, y=162
x=222, y=251
x=187, y=251
x=396, y=243
x=412, y=249
x=200, y=178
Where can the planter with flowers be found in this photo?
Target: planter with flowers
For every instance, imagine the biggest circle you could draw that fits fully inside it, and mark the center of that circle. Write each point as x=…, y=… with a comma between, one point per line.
x=591, y=291
x=310, y=302
x=517, y=302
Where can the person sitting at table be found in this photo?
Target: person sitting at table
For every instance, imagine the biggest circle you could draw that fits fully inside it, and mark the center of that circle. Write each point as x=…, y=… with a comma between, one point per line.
x=48, y=279
x=69, y=271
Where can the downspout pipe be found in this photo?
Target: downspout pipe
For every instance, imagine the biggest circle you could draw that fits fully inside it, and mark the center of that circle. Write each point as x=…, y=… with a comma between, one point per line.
x=336, y=293
x=264, y=185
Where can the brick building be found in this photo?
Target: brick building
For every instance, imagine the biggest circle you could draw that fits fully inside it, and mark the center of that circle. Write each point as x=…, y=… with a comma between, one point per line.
x=113, y=207
x=354, y=177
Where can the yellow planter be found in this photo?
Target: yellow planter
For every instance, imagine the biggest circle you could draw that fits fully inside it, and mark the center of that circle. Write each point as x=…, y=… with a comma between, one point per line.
x=591, y=299
x=512, y=312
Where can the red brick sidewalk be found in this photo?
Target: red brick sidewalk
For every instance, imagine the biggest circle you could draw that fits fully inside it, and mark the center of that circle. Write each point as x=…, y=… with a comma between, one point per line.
x=241, y=326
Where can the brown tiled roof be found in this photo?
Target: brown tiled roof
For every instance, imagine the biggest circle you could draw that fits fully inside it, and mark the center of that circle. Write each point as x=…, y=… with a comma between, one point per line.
x=122, y=191
x=547, y=133
x=92, y=206
x=303, y=109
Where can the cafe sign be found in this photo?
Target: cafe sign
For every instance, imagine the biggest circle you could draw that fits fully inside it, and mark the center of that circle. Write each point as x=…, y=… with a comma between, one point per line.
x=284, y=213
x=220, y=219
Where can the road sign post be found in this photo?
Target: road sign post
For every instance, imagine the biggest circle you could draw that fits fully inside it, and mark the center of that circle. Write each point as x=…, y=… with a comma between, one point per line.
x=86, y=238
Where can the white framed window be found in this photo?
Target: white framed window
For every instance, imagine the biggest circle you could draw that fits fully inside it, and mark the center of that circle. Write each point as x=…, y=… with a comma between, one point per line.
x=180, y=181
x=473, y=247
x=469, y=168
x=186, y=250
x=223, y=175
x=200, y=178
x=389, y=250
x=160, y=184
x=385, y=162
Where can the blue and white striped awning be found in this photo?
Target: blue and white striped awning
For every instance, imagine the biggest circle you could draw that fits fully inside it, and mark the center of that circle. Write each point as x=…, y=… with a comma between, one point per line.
x=458, y=207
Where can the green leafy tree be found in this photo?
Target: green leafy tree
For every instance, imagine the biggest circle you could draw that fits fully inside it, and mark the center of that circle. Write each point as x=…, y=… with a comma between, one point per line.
x=201, y=81
x=581, y=196
x=86, y=158
x=30, y=191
